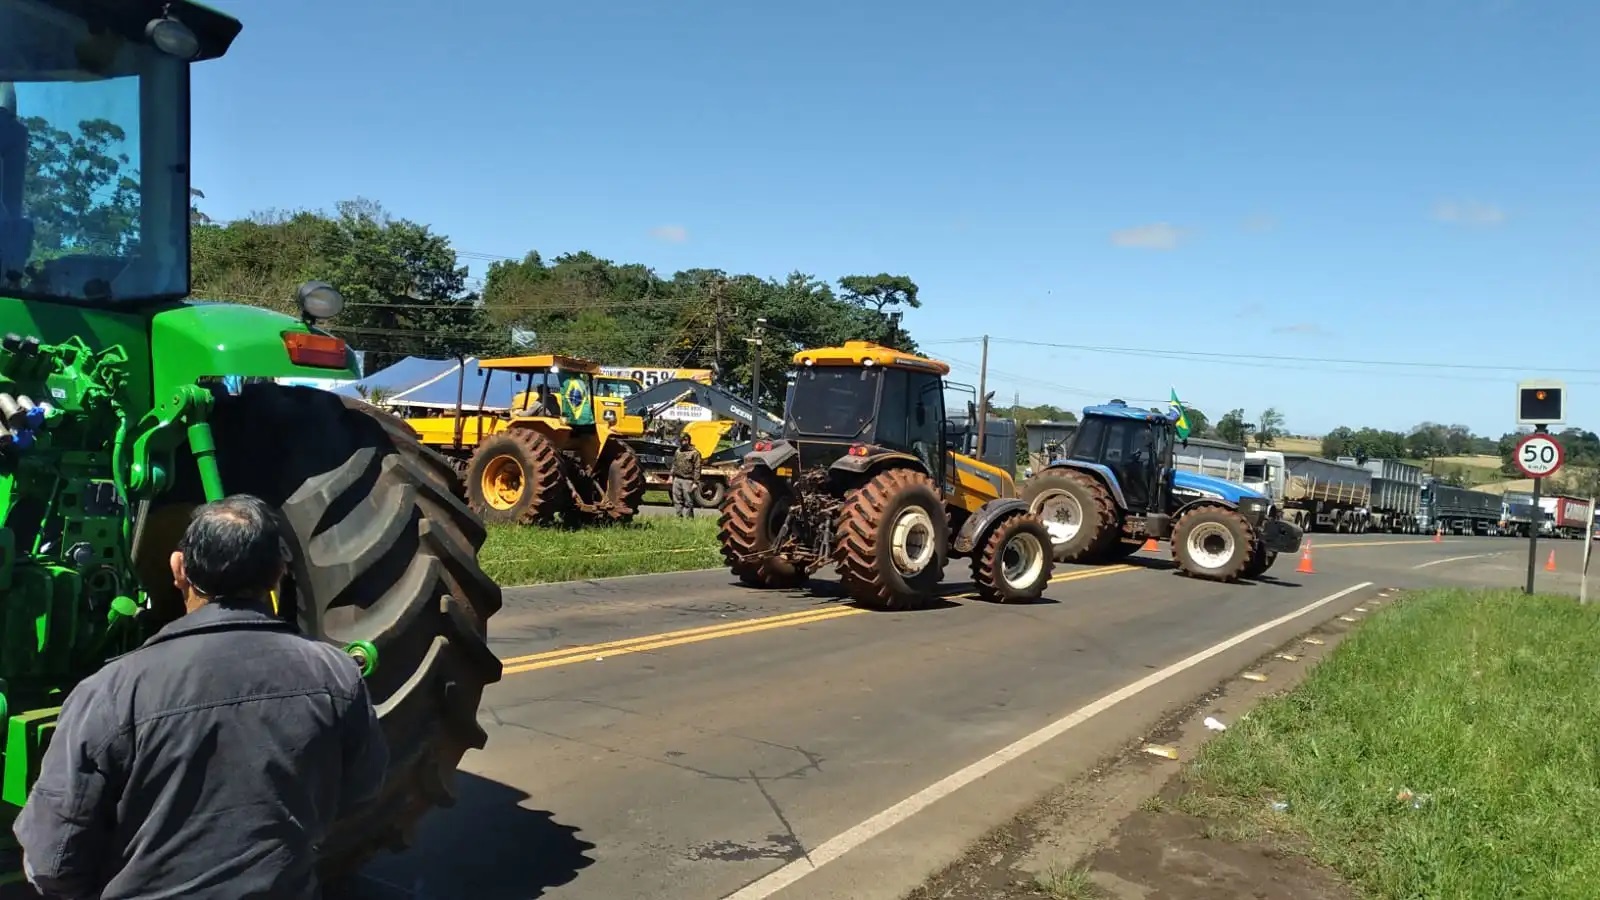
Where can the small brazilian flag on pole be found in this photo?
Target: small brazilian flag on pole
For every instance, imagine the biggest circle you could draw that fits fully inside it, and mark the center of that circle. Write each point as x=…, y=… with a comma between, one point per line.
x=1182, y=425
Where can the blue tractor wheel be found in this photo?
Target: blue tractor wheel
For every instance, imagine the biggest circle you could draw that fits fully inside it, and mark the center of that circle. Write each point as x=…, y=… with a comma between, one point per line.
x=1078, y=512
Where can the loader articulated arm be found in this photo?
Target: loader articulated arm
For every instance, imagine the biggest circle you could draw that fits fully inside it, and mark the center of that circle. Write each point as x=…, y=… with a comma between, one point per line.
x=655, y=400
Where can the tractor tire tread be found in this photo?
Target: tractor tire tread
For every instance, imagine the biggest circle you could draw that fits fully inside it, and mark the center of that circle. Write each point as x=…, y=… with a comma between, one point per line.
x=551, y=494
x=856, y=549
x=1180, y=533
x=739, y=534
x=987, y=563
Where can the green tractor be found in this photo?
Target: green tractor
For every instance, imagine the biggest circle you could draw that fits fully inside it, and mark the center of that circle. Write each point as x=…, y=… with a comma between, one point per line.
x=123, y=406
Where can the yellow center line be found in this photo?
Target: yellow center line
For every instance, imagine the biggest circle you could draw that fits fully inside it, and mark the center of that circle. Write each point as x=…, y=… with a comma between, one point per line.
x=569, y=655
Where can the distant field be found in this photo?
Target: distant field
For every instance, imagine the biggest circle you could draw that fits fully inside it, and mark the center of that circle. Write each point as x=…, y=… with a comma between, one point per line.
x=1312, y=446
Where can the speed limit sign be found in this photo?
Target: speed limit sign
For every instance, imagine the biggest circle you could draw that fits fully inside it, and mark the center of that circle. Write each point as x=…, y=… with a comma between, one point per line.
x=1538, y=455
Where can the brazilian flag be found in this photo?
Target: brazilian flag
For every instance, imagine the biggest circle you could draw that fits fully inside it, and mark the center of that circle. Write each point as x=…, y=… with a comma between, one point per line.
x=1182, y=425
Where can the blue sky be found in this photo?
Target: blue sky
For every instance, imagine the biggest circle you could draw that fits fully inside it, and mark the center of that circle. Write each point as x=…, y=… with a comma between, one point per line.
x=1406, y=182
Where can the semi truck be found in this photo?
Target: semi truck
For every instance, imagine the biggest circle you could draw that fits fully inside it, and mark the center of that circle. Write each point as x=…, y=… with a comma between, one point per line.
x=1518, y=513
x=1457, y=510
x=1316, y=494
x=1565, y=517
x=1396, y=494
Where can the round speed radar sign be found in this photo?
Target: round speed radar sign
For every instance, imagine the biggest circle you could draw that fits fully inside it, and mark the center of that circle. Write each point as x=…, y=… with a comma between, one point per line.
x=1538, y=455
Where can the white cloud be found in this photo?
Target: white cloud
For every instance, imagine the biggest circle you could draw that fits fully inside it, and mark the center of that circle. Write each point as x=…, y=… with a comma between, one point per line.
x=1160, y=236
x=672, y=234
x=1307, y=328
x=1468, y=212
x=1260, y=222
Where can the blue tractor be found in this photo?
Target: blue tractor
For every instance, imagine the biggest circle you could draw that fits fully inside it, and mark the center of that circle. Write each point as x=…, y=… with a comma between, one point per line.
x=1114, y=486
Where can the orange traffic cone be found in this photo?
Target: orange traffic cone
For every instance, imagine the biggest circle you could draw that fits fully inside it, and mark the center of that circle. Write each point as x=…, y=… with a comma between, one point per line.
x=1550, y=564
x=1305, y=567
x=1438, y=535
x=1149, y=545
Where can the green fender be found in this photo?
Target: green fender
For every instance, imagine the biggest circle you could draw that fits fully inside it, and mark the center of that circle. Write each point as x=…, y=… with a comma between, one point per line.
x=197, y=340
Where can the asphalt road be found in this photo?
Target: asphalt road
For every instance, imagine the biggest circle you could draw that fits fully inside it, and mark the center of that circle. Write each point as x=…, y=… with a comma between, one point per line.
x=680, y=736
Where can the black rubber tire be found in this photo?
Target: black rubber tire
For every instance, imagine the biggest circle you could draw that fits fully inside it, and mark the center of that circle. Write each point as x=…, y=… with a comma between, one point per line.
x=757, y=502
x=1261, y=559
x=621, y=484
x=711, y=494
x=1100, y=529
x=384, y=552
x=864, y=543
x=1243, y=540
x=545, y=492
x=1022, y=532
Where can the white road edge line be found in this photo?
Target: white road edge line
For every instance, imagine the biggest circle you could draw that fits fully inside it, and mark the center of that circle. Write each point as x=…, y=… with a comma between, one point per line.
x=839, y=845
x=1458, y=559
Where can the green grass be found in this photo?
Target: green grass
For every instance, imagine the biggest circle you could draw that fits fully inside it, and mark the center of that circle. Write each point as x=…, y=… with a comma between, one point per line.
x=1484, y=705
x=528, y=555
x=1067, y=884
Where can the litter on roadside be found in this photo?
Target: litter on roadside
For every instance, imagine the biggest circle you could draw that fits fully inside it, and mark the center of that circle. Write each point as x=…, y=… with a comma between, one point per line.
x=1215, y=724
x=1314, y=641
x=1253, y=676
x=1347, y=618
x=1290, y=657
x=1360, y=609
x=1417, y=801
x=1280, y=806
x=1161, y=750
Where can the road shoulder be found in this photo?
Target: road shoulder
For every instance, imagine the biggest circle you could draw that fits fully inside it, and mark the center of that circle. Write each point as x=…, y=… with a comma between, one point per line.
x=1135, y=825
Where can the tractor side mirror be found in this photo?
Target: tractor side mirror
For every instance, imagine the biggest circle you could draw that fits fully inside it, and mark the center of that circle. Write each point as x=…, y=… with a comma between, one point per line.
x=955, y=436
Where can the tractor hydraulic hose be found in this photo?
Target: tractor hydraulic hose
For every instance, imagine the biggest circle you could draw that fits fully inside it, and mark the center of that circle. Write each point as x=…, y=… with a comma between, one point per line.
x=204, y=448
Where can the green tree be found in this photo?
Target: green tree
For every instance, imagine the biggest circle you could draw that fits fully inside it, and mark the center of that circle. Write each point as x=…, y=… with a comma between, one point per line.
x=1199, y=425
x=1269, y=428
x=1232, y=427
x=80, y=190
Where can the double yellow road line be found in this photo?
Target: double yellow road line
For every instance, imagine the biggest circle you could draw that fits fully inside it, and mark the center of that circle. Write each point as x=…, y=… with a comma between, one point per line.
x=588, y=652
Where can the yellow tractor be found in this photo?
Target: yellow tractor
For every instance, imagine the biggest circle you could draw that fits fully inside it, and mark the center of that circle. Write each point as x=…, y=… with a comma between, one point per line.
x=549, y=456
x=868, y=475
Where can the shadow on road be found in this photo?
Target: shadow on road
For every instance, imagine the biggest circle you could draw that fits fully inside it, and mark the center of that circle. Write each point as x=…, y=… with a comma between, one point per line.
x=489, y=846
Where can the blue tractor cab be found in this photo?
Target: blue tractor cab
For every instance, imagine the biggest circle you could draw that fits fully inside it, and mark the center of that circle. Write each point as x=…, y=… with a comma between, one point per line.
x=1113, y=486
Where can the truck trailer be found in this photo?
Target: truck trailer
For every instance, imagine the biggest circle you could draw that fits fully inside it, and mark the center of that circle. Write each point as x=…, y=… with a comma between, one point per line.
x=1457, y=510
x=1518, y=513
x=1565, y=517
x=1204, y=456
x=1396, y=494
x=1316, y=494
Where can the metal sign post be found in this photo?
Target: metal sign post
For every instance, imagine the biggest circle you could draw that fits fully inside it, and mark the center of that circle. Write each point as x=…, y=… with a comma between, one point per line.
x=1588, y=545
x=1538, y=456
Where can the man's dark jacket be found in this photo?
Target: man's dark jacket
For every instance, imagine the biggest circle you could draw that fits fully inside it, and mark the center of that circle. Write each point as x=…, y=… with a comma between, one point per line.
x=209, y=762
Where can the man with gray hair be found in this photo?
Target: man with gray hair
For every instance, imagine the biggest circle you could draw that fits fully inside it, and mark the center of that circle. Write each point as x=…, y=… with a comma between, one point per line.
x=212, y=760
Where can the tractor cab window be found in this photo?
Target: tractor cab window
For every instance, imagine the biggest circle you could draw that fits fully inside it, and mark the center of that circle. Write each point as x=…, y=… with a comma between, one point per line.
x=925, y=420
x=894, y=411
x=94, y=162
x=834, y=402
x=1087, y=439
x=1130, y=448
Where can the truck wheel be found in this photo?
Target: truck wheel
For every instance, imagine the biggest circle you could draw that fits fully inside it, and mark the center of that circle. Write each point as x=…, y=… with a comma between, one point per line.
x=1261, y=559
x=1078, y=511
x=383, y=552
x=1213, y=543
x=621, y=485
x=1014, y=562
x=757, y=503
x=712, y=492
x=893, y=540
x=515, y=478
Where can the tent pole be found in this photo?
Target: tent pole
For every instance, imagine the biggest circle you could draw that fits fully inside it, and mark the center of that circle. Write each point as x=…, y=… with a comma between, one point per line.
x=461, y=387
x=483, y=398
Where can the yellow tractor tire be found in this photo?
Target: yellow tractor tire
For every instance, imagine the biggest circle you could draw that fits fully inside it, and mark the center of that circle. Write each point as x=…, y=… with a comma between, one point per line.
x=1014, y=563
x=893, y=540
x=515, y=478
x=757, y=503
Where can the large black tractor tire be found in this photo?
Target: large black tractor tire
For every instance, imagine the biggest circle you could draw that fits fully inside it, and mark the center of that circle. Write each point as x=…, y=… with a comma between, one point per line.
x=1123, y=549
x=1213, y=543
x=1014, y=563
x=711, y=493
x=621, y=485
x=892, y=541
x=757, y=503
x=1079, y=512
x=516, y=478
x=383, y=552
x=1261, y=559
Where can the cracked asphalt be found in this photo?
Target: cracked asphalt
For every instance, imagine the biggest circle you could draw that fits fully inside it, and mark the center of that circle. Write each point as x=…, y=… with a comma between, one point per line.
x=693, y=764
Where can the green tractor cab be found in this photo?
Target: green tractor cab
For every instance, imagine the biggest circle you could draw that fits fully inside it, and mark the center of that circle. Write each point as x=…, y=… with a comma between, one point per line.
x=115, y=421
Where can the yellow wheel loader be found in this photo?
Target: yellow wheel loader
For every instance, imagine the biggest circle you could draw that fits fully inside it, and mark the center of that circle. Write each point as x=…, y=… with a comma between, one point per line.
x=868, y=476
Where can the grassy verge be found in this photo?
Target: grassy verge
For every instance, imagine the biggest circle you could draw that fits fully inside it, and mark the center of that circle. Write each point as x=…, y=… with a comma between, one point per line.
x=521, y=555
x=1447, y=749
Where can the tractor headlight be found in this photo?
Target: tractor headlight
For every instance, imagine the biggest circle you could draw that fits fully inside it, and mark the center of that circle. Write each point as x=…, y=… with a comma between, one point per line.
x=172, y=38
x=319, y=300
x=1253, y=508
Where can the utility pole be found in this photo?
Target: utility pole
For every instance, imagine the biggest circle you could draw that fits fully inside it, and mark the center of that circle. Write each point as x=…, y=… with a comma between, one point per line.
x=755, y=367
x=983, y=396
x=716, y=326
